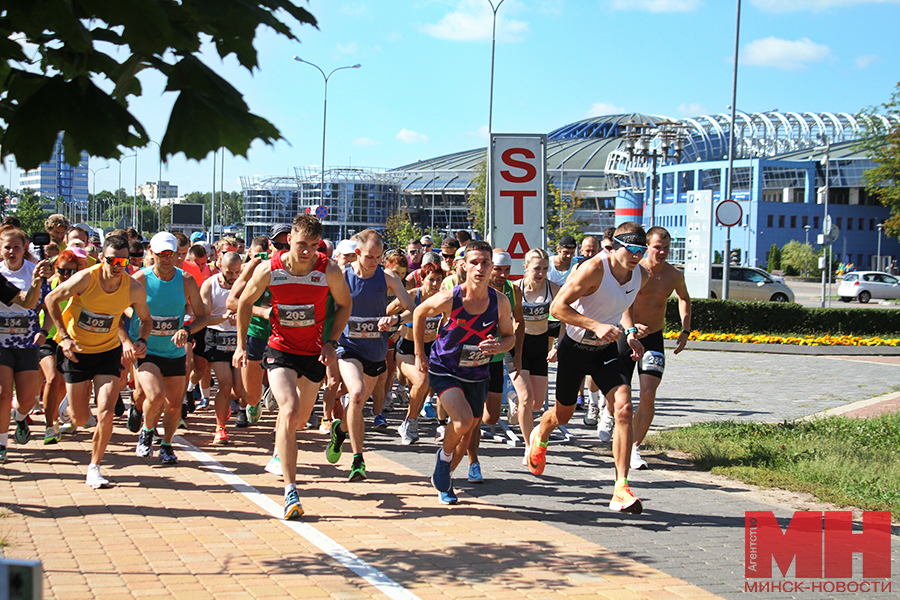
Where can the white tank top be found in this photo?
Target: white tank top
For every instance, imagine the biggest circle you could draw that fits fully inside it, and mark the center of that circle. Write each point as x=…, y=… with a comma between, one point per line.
x=219, y=296
x=607, y=304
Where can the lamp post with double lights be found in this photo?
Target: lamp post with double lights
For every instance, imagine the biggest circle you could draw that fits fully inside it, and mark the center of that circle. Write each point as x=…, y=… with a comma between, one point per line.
x=639, y=139
x=325, y=114
x=94, y=192
x=489, y=215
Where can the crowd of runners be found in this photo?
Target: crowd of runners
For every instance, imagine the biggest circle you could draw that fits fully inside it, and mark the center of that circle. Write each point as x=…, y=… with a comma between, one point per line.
x=317, y=327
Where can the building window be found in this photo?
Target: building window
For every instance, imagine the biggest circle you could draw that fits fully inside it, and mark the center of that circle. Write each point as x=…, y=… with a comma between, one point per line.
x=815, y=222
x=862, y=223
x=793, y=222
x=839, y=219
x=859, y=260
x=849, y=223
x=781, y=220
x=871, y=224
x=805, y=221
x=769, y=221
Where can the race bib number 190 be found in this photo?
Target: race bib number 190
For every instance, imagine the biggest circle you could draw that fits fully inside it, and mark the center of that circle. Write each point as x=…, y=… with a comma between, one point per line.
x=364, y=328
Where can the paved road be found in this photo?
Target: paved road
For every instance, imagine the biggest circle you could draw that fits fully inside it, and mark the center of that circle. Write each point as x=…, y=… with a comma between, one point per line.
x=809, y=294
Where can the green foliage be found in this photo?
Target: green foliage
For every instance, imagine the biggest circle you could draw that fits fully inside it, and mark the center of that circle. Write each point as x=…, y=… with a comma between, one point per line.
x=30, y=213
x=561, y=219
x=797, y=258
x=229, y=210
x=883, y=145
x=740, y=317
x=477, y=198
x=774, y=263
x=717, y=258
x=400, y=230
x=81, y=49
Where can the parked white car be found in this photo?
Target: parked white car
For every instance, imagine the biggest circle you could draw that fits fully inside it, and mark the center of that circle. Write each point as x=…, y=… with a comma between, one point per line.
x=865, y=285
x=749, y=283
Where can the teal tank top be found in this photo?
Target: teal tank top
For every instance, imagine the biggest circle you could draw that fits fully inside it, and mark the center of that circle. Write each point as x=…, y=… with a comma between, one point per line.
x=167, y=307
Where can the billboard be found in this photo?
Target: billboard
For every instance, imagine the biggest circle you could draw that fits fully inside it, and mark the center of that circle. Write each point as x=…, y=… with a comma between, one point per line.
x=698, y=243
x=187, y=214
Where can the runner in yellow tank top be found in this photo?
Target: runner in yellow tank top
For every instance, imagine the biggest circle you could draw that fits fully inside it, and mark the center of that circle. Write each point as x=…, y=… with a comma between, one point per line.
x=90, y=345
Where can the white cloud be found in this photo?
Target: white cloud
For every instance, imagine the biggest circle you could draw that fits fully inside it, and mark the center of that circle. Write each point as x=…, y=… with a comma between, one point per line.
x=364, y=141
x=350, y=49
x=411, y=137
x=473, y=21
x=599, y=109
x=692, y=109
x=481, y=133
x=790, y=55
x=657, y=6
x=783, y=6
x=868, y=60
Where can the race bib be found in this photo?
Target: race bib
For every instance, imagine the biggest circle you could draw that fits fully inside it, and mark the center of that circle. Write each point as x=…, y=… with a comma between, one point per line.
x=471, y=356
x=95, y=323
x=363, y=328
x=14, y=325
x=296, y=315
x=653, y=362
x=165, y=326
x=226, y=342
x=431, y=324
x=536, y=311
x=590, y=339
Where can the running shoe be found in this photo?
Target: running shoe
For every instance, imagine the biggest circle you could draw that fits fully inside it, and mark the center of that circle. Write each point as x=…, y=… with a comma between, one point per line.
x=204, y=404
x=429, y=412
x=135, y=419
x=92, y=421
x=268, y=400
x=591, y=414
x=292, y=507
x=95, y=479
x=624, y=501
x=379, y=422
x=579, y=402
x=358, y=470
x=182, y=424
x=405, y=438
x=221, y=437
x=184, y=411
x=253, y=413
x=120, y=406
x=414, y=429
x=51, y=435
x=235, y=407
x=335, y=444
x=325, y=426
x=2, y=453
x=167, y=455
x=145, y=444
x=606, y=426
x=448, y=497
x=23, y=433
x=537, y=458
x=67, y=428
x=241, y=421
x=388, y=405
x=475, y=475
x=512, y=415
x=439, y=432
x=441, y=479
x=638, y=463
x=190, y=402
x=274, y=466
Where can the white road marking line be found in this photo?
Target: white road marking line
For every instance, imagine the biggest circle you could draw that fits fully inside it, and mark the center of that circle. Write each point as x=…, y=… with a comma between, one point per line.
x=376, y=578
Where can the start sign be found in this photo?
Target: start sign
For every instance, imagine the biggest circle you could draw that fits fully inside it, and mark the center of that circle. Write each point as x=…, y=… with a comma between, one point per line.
x=518, y=206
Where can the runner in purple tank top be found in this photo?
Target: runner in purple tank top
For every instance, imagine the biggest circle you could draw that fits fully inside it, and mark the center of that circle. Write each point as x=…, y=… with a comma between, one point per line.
x=458, y=368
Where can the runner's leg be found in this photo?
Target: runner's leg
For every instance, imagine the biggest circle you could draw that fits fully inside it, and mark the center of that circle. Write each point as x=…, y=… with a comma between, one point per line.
x=107, y=387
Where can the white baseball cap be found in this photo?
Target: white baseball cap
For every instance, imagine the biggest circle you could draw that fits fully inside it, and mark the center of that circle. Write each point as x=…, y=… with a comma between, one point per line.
x=502, y=259
x=163, y=241
x=346, y=247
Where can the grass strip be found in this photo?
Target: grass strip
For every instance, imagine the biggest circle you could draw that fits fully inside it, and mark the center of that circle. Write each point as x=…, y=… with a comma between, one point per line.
x=845, y=461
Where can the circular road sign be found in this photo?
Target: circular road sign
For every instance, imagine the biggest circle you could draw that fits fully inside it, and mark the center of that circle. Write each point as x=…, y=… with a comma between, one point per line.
x=322, y=212
x=729, y=213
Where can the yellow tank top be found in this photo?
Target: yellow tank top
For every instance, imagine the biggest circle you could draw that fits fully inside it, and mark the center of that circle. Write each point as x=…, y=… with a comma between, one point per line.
x=95, y=329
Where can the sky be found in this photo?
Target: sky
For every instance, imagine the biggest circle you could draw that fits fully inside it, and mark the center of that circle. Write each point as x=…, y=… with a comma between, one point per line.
x=423, y=86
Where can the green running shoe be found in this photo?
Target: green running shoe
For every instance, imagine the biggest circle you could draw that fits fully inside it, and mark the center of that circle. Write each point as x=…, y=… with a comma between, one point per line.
x=335, y=444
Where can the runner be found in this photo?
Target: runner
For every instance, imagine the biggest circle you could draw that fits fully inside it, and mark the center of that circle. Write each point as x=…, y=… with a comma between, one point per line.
x=473, y=315
x=364, y=342
x=560, y=268
x=591, y=305
x=394, y=261
x=300, y=281
x=221, y=340
x=89, y=341
x=20, y=336
x=161, y=373
x=649, y=314
x=432, y=276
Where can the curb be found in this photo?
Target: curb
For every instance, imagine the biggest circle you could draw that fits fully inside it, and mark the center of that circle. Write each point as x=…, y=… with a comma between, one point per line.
x=841, y=410
x=790, y=349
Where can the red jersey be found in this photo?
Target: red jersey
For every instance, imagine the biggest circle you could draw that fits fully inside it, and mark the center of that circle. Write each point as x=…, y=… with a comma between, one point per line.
x=299, y=307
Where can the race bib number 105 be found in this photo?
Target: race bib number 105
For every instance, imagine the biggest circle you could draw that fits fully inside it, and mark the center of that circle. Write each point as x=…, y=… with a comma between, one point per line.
x=94, y=322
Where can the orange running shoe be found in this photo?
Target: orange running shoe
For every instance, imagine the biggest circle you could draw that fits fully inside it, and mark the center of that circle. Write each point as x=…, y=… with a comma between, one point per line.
x=537, y=459
x=221, y=438
x=624, y=501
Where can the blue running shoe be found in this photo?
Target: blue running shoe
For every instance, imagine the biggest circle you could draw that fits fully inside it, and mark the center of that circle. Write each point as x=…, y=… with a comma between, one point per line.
x=475, y=475
x=292, y=508
x=429, y=412
x=380, y=422
x=448, y=497
x=440, y=479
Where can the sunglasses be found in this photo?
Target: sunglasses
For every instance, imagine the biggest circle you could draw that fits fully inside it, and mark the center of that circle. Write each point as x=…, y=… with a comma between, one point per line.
x=165, y=254
x=280, y=245
x=137, y=256
x=66, y=272
x=631, y=248
x=262, y=255
x=414, y=251
x=117, y=261
x=428, y=245
x=447, y=256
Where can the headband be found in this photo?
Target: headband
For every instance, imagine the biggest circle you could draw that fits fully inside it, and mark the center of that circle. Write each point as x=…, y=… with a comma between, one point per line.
x=634, y=237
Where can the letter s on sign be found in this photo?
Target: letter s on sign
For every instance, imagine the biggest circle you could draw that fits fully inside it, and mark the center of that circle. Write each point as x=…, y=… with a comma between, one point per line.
x=530, y=170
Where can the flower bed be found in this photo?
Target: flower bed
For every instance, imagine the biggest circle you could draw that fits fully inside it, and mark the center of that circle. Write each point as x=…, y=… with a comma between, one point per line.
x=807, y=340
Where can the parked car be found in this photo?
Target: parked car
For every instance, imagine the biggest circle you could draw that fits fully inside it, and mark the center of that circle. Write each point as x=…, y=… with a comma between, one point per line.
x=749, y=283
x=775, y=278
x=865, y=285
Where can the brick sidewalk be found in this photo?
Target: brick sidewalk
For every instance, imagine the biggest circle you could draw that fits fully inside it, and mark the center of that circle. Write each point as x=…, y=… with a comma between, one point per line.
x=182, y=532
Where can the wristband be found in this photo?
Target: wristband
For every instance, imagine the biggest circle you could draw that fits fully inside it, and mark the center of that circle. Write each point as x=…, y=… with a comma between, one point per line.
x=187, y=328
x=64, y=336
x=141, y=340
x=399, y=318
x=687, y=331
x=633, y=330
x=333, y=343
x=45, y=332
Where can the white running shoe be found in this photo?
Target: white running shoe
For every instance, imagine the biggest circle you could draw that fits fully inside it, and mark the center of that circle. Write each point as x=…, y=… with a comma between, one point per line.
x=606, y=426
x=274, y=466
x=95, y=479
x=403, y=430
x=638, y=463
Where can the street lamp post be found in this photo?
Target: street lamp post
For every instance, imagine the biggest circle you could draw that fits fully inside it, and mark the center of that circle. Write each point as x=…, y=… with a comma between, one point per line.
x=134, y=156
x=489, y=215
x=94, y=173
x=325, y=117
x=807, y=228
x=880, y=227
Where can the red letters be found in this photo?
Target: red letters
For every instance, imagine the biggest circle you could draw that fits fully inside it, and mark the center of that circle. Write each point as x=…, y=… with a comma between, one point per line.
x=518, y=240
x=874, y=543
x=530, y=171
x=518, y=197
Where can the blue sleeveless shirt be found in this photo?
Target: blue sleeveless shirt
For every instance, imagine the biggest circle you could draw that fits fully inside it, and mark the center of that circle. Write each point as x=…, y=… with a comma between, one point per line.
x=370, y=300
x=167, y=308
x=455, y=352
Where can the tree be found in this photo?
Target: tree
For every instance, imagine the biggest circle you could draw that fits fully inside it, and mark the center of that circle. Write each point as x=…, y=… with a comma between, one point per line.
x=399, y=230
x=561, y=219
x=30, y=213
x=774, y=259
x=78, y=49
x=797, y=258
x=477, y=198
x=882, y=144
